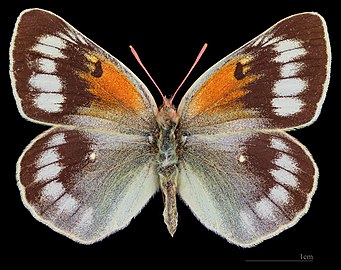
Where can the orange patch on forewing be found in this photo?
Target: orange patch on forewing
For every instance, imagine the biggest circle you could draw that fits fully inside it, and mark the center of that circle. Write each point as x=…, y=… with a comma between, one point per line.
x=112, y=86
x=222, y=90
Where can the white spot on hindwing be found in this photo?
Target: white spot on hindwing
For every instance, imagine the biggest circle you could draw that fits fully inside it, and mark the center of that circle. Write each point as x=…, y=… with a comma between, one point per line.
x=286, y=162
x=86, y=218
x=286, y=165
x=56, y=139
x=67, y=204
x=52, y=191
x=279, y=144
x=247, y=221
x=279, y=195
x=48, y=172
x=49, y=162
x=47, y=157
x=265, y=209
x=284, y=177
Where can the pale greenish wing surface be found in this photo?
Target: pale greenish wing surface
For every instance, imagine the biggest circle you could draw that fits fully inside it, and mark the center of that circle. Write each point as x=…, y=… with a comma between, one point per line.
x=246, y=187
x=84, y=184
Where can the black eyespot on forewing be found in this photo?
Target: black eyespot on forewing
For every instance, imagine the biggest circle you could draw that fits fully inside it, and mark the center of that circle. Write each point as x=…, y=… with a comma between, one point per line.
x=238, y=73
x=97, y=71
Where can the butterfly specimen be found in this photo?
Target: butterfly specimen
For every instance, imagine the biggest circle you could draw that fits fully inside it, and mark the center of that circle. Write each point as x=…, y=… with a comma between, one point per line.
x=224, y=150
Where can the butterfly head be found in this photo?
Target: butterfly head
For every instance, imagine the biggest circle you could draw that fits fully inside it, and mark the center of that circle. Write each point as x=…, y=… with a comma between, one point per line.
x=167, y=115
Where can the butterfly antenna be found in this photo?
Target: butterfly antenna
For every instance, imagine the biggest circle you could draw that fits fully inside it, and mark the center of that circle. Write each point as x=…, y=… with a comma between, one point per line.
x=150, y=77
x=194, y=64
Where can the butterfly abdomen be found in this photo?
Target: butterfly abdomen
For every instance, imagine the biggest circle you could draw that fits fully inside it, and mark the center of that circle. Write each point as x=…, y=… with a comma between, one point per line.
x=167, y=164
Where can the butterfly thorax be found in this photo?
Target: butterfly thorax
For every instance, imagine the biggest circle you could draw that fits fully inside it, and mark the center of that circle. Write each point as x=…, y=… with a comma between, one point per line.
x=167, y=159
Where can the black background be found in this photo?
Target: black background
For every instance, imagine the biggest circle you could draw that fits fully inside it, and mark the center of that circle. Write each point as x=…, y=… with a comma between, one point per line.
x=168, y=35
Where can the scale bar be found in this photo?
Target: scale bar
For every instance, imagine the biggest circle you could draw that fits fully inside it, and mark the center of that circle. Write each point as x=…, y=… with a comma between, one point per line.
x=300, y=260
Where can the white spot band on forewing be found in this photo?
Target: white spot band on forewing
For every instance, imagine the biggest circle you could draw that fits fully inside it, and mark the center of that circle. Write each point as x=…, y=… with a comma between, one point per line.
x=285, y=106
x=70, y=37
x=49, y=102
x=46, y=83
x=291, y=55
x=46, y=65
x=289, y=87
x=290, y=69
x=269, y=39
x=52, y=41
x=82, y=39
x=287, y=44
x=50, y=46
x=48, y=51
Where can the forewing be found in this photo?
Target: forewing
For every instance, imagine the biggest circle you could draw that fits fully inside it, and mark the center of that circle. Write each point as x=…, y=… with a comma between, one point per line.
x=277, y=80
x=247, y=187
x=59, y=76
x=84, y=184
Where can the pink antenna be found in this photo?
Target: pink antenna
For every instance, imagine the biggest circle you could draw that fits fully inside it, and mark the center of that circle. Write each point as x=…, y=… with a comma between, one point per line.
x=163, y=97
x=150, y=77
x=194, y=64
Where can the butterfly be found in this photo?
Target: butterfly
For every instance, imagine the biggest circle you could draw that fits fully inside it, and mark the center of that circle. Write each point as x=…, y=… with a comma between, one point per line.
x=224, y=150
